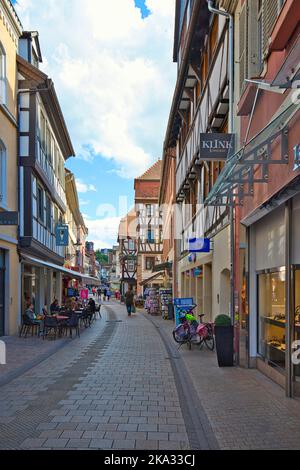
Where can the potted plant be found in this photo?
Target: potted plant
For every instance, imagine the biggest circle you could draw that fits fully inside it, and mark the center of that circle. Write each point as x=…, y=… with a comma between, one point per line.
x=224, y=340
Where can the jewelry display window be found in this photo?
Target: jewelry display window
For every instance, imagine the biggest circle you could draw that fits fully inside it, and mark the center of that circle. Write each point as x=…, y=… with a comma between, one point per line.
x=272, y=317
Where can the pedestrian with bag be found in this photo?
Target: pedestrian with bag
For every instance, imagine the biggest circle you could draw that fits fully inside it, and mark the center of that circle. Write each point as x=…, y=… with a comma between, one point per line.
x=129, y=301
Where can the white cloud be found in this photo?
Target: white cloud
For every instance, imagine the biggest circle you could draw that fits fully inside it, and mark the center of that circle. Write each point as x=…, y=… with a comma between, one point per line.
x=83, y=202
x=84, y=187
x=113, y=72
x=103, y=231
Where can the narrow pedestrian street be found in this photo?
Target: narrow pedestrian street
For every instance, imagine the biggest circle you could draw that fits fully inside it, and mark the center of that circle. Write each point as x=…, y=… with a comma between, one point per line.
x=124, y=385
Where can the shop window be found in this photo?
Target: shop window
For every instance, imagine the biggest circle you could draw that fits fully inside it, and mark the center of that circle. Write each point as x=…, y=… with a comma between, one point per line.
x=297, y=318
x=271, y=317
x=3, y=79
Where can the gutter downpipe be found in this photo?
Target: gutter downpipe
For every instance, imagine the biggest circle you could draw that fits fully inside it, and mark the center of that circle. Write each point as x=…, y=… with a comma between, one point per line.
x=229, y=17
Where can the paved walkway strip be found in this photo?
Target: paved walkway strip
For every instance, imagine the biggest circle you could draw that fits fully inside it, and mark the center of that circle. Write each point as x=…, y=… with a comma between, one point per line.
x=199, y=430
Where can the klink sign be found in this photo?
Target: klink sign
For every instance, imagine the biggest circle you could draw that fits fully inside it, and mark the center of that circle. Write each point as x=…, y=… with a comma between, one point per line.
x=216, y=146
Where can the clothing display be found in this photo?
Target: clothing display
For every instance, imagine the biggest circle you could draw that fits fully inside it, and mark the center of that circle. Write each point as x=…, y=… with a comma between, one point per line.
x=152, y=302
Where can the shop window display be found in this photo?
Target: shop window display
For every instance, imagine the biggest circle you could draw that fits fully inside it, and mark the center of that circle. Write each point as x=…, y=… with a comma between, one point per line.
x=271, y=292
x=297, y=318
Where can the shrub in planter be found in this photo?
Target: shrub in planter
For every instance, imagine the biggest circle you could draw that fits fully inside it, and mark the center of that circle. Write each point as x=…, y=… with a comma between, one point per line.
x=224, y=340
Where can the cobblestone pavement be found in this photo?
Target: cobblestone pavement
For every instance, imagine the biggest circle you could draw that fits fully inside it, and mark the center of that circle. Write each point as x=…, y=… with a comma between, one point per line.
x=246, y=410
x=124, y=385
x=112, y=388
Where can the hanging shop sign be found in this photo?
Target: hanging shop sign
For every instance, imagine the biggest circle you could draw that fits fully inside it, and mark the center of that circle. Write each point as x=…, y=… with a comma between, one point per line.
x=9, y=218
x=215, y=146
x=199, y=245
x=62, y=235
x=296, y=157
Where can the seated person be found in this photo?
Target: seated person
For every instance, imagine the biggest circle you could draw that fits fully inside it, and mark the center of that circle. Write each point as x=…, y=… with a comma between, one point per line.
x=36, y=320
x=54, y=307
x=92, y=305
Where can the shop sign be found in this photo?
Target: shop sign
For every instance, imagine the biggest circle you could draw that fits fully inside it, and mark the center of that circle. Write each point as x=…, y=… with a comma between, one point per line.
x=9, y=218
x=216, y=146
x=62, y=235
x=199, y=245
x=296, y=157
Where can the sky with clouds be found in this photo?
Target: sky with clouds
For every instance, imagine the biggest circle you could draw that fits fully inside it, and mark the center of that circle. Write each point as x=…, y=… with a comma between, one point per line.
x=111, y=62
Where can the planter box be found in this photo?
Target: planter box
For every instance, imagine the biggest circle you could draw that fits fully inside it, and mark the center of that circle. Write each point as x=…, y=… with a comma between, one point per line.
x=224, y=345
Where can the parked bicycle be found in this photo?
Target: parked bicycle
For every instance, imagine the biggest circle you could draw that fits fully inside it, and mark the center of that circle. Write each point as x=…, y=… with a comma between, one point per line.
x=190, y=331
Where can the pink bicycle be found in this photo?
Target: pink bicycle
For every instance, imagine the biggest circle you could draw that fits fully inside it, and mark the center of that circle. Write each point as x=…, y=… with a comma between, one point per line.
x=194, y=333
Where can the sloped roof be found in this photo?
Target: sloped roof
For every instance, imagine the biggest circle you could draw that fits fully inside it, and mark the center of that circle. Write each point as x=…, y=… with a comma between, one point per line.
x=153, y=173
x=128, y=225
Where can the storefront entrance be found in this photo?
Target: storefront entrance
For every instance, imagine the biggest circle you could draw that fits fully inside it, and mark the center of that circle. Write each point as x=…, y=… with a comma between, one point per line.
x=2, y=292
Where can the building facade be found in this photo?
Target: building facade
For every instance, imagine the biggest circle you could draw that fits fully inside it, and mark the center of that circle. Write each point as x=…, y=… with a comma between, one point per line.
x=261, y=182
x=74, y=257
x=200, y=111
x=128, y=252
x=43, y=147
x=167, y=203
x=10, y=276
x=149, y=228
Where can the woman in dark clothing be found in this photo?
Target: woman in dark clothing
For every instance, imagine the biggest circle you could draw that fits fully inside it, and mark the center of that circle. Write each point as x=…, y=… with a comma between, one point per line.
x=129, y=300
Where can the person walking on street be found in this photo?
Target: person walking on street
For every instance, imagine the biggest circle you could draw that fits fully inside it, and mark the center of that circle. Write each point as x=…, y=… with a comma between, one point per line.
x=108, y=294
x=105, y=294
x=129, y=300
x=99, y=292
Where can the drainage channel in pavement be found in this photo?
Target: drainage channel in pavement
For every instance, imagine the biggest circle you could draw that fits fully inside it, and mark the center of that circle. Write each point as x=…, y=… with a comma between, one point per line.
x=26, y=422
x=198, y=428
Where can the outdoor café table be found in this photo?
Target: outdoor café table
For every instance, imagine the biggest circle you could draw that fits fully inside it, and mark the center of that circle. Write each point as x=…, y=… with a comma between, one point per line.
x=60, y=319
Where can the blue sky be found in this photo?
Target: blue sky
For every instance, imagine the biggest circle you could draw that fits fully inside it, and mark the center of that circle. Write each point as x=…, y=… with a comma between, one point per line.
x=114, y=79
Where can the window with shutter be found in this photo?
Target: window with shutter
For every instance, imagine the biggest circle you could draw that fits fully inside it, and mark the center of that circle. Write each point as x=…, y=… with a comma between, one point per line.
x=243, y=59
x=254, y=38
x=271, y=9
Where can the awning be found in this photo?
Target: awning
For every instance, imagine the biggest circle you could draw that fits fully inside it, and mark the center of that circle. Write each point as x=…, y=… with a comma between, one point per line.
x=90, y=280
x=250, y=164
x=163, y=266
x=56, y=267
x=151, y=278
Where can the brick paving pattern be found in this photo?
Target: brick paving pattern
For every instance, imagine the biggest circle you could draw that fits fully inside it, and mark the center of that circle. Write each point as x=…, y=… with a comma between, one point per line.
x=116, y=388
x=246, y=410
x=111, y=389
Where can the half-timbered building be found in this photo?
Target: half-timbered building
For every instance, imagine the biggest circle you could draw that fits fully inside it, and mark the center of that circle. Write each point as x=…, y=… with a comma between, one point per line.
x=128, y=252
x=149, y=228
x=200, y=108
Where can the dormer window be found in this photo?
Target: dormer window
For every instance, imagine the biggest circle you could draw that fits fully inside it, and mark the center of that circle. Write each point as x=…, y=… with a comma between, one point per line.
x=2, y=75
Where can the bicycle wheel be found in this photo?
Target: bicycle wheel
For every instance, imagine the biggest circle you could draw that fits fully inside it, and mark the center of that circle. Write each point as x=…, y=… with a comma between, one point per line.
x=179, y=338
x=210, y=342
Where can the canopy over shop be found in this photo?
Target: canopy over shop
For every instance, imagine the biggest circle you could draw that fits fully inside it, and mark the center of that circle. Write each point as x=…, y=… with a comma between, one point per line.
x=43, y=281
